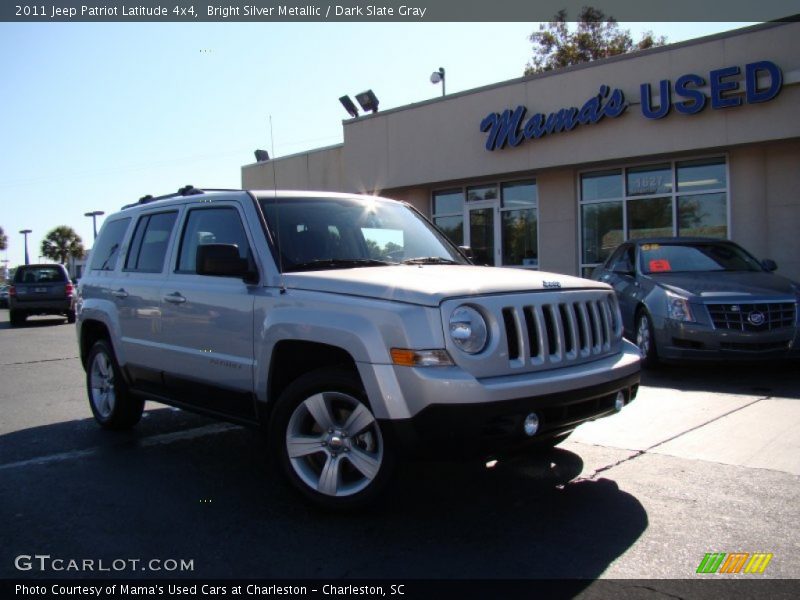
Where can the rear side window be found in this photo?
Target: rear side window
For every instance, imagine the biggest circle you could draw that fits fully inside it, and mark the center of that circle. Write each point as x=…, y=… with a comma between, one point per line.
x=106, y=248
x=48, y=274
x=150, y=240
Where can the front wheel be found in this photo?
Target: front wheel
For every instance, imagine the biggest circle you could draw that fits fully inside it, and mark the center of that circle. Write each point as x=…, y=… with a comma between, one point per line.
x=113, y=406
x=328, y=441
x=645, y=339
x=17, y=318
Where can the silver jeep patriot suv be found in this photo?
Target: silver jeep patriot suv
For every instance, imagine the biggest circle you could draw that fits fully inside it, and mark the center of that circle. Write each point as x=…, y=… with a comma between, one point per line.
x=346, y=326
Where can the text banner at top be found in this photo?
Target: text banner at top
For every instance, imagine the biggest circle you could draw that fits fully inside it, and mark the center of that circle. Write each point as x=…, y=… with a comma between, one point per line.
x=265, y=11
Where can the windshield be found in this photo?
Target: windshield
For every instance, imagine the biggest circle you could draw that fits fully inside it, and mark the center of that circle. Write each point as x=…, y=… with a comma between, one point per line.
x=696, y=257
x=335, y=233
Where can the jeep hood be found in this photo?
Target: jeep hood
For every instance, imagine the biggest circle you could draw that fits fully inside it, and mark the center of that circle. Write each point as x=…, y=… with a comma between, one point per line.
x=429, y=285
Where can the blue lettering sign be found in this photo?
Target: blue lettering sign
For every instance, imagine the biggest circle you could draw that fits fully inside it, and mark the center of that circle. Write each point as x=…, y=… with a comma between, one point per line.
x=509, y=128
x=697, y=100
x=718, y=86
x=664, y=99
x=754, y=95
x=506, y=128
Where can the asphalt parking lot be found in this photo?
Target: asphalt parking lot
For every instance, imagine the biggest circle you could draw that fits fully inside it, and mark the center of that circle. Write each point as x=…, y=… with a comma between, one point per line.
x=705, y=460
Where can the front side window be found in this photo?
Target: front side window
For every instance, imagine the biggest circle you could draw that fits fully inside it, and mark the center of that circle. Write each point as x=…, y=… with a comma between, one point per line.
x=150, y=240
x=106, y=248
x=210, y=226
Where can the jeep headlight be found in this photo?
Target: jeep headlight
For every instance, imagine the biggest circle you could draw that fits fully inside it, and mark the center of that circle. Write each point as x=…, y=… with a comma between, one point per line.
x=468, y=329
x=678, y=308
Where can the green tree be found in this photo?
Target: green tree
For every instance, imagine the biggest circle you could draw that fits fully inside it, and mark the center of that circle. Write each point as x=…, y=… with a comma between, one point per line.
x=595, y=36
x=3, y=239
x=61, y=243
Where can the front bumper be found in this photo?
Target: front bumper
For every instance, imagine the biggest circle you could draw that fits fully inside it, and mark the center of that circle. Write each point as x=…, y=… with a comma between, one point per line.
x=451, y=414
x=678, y=341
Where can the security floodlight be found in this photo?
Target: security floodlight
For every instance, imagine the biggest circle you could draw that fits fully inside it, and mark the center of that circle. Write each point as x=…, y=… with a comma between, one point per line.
x=368, y=101
x=262, y=155
x=349, y=106
x=438, y=77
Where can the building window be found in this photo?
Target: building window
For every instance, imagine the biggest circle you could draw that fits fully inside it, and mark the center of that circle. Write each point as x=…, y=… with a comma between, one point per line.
x=498, y=221
x=519, y=222
x=448, y=214
x=679, y=198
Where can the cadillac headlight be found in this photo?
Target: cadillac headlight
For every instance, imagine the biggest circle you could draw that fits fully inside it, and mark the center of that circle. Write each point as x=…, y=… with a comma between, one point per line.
x=678, y=308
x=468, y=329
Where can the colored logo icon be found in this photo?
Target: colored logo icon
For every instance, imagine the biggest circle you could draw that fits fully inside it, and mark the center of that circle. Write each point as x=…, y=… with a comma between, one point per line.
x=736, y=562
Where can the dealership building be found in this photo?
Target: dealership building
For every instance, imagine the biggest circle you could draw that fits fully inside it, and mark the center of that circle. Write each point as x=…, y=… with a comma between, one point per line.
x=553, y=171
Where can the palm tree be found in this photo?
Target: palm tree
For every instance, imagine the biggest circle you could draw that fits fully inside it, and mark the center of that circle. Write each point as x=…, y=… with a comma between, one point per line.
x=61, y=243
x=3, y=239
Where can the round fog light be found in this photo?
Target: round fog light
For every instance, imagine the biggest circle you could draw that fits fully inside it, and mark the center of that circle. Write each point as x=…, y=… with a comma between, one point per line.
x=620, y=401
x=531, y=425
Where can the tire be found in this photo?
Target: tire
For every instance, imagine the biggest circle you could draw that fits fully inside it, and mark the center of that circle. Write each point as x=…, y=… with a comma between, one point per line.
x=311, y=435
x=71, y=316
x=645, y=339
x=17, y=317
x=112, y=404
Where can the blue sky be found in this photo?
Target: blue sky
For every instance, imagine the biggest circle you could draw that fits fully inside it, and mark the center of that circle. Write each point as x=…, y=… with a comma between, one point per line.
x=96, y=115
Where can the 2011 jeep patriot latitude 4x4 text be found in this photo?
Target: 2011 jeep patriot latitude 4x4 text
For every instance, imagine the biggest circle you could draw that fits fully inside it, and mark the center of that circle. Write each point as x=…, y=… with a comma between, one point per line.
x=348, y=326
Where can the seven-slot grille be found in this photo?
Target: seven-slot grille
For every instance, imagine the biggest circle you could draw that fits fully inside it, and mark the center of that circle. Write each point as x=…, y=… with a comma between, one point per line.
x=559, y=332
x=764, y=316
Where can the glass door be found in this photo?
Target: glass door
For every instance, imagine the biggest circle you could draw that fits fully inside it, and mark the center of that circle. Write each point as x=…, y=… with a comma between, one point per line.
x=482, y=233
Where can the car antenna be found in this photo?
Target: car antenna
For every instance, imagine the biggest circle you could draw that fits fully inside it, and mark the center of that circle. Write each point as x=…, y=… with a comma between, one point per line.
x=281, y=284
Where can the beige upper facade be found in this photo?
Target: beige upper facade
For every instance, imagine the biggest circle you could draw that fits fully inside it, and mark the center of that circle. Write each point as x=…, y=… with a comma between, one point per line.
x=410, y=152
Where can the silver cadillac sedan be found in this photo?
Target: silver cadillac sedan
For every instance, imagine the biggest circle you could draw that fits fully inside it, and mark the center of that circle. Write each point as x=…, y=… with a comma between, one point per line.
x=702, y=299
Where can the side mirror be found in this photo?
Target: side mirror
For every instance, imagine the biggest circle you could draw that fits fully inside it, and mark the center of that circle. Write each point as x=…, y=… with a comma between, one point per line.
x=467, y=252
x=769, y=265
x=624, y=268
x=221, y=260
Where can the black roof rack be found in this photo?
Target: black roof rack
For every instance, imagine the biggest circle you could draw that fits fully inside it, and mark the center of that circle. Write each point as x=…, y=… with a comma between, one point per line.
x=187, y=190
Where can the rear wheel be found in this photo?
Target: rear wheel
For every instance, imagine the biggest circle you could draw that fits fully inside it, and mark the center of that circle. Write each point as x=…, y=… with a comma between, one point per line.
x=328, y=442
x=645, y=339
x=113, y=406
x=71, y=316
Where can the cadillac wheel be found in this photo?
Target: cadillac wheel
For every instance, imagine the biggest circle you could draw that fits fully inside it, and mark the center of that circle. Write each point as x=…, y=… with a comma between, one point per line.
x=329, y=443
x=645, y=339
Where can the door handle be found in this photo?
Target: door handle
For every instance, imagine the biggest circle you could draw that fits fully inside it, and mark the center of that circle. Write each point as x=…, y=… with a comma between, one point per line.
x=175, y=298
x=120, y=293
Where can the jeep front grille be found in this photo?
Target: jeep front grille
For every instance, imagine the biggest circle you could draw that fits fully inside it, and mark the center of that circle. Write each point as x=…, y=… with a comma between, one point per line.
x=763, y=316
x=559, y=332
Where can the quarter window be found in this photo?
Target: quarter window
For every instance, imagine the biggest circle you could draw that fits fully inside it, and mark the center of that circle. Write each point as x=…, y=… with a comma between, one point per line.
x=106, y=248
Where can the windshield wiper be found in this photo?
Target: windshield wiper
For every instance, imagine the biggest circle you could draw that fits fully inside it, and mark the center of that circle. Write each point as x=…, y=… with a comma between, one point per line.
x=429, y=260
x=338, y=263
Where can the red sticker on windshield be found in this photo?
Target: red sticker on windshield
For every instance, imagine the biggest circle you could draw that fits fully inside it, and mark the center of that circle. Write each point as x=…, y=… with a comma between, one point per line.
x=660, y=265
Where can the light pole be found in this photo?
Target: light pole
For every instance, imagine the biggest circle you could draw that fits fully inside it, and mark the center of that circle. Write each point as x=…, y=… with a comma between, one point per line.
x=438, y=77
x=94, y=214
x=25, y=232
